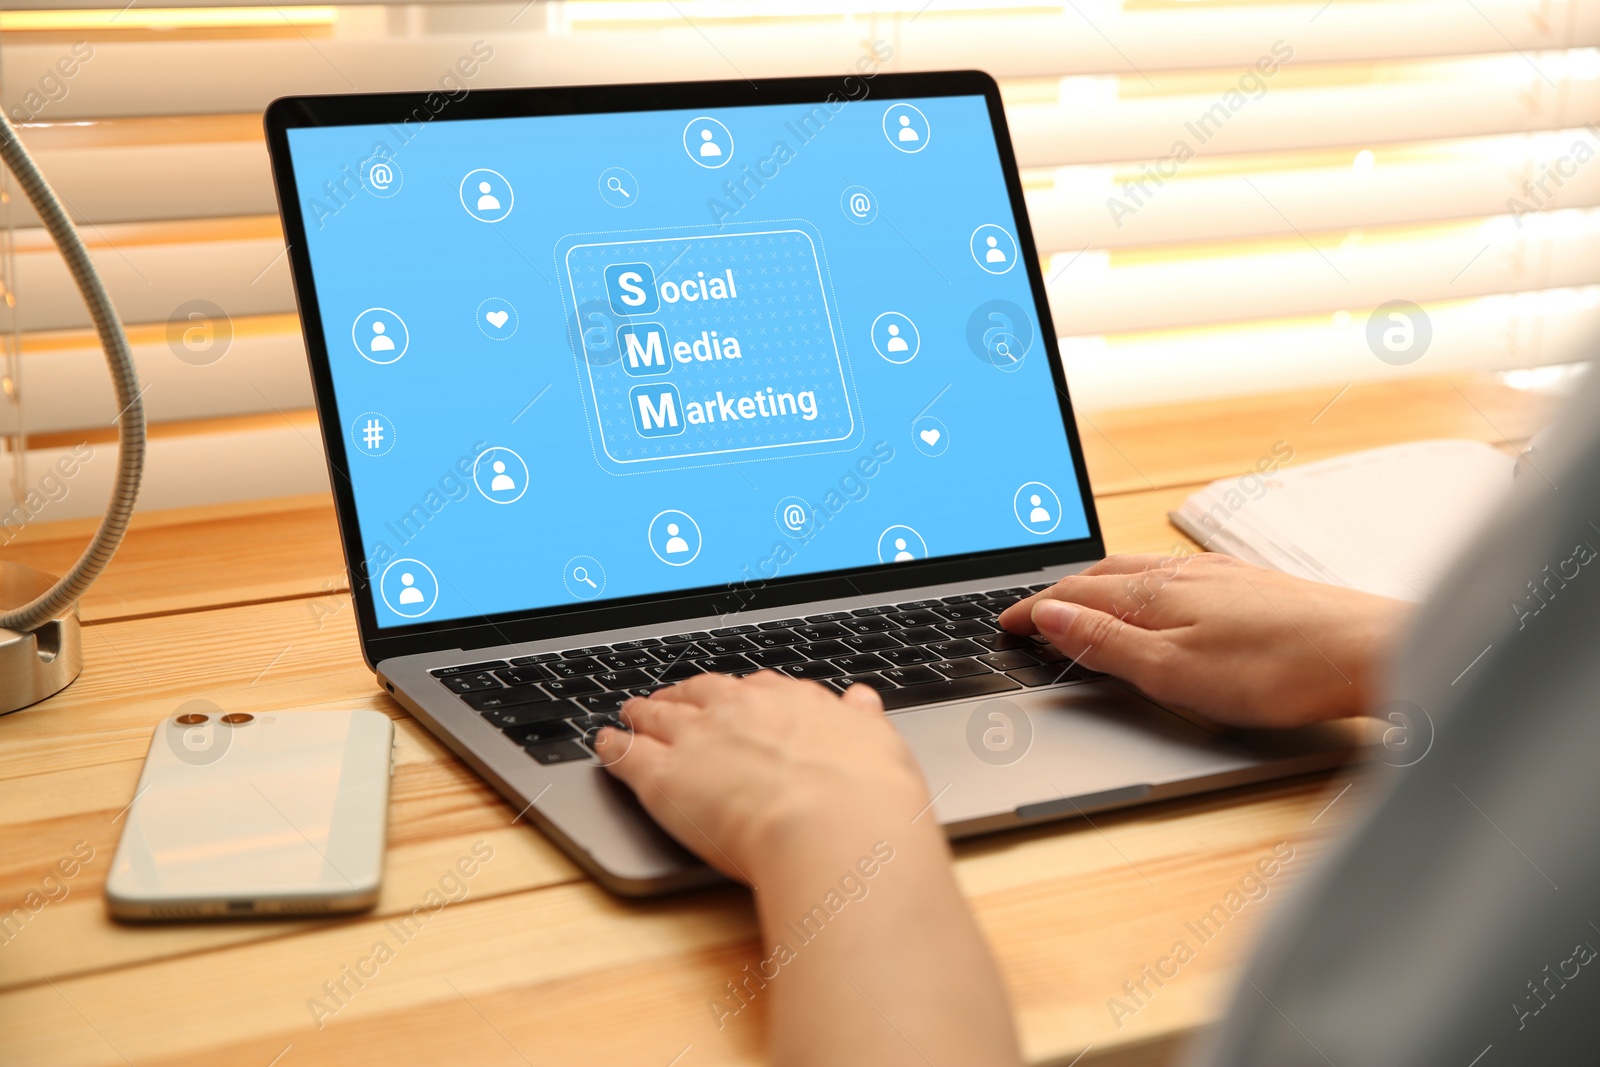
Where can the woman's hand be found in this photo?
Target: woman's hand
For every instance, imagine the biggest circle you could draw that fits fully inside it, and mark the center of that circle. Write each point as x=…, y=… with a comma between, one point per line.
x=868, y=953
x=757, y=774
x=1239, y=644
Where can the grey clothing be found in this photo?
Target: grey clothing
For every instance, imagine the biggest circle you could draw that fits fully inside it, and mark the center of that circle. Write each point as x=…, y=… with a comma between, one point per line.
x=1459, y=923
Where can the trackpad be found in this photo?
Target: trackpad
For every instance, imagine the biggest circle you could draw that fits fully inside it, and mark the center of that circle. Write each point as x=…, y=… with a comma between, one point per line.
x=1081, y=747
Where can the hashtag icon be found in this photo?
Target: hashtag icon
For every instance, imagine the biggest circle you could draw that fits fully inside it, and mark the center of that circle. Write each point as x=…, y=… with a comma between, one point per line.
x=373, y=433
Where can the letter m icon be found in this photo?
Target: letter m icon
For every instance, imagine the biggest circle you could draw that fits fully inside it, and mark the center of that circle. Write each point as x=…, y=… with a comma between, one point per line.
x=657, y=410
x=643, y=347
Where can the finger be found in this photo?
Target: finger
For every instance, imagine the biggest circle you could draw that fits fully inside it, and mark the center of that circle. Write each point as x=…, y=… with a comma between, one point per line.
x=635, y=759
x=1118, y=594
x=1099, y=641
x=662, y=719
x=864, y=697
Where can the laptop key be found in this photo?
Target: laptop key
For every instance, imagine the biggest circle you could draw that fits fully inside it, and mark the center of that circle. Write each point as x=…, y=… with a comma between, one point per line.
x=677, y=672
x=1050, y=674
x=731, y=631
x=622, y=679
x=487, y=699
x=727, y=665
x=1009, y=660
x=964, y=628
x=910, y=675
x=914, y=618
x=683, y=639
x=590, y=650
x=1002, y=642
x=619, y=661
x=948, y=689
x=536, y=733
x=816, y=670
x=571, y=687
x=774, y=657
x=820, y=631
x=643, y=642
x=873, y=625
x=918, y=605
x=869, y=642
x=886, y=609
x=523, y=675
x=575, y=668
x=920, y=635
x=727, y=646
x=1014, y=593
x=905, y=657
x=521, y=716
x=468, y=683
x=558, y=752
x=865, y=663
x=963, y=598
x=961, y=611
x=829, y=616
x=1041, y=587
x=958, y=668
x=825, y=650
x=602, y=703
x=781, y=624
x=957, y=649
x=543, y=657
x=877, y=682
x=467, y=668
x=776, y=638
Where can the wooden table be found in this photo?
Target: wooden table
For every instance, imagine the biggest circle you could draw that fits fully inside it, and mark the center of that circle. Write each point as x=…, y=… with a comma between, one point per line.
x=246, y=606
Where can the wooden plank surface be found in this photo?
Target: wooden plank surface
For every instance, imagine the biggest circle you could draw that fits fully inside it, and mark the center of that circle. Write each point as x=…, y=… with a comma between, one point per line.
x=244, y=606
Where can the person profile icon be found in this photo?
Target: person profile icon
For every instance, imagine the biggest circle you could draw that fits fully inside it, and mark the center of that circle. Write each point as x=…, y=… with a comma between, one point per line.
x=906, y=132
x=896, y=342
x=994, y=255
x=502, y=482
x=901, y=553
x=487, y=202
x=675, y=544
x=410, y=594
x=380, y=342
x=1038, y=514
x=708, y=147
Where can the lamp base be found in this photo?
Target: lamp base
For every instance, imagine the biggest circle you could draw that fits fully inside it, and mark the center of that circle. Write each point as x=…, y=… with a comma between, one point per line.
x=41, y=663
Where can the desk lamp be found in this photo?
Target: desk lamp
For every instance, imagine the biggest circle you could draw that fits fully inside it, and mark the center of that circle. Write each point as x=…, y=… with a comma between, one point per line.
x=41, y=646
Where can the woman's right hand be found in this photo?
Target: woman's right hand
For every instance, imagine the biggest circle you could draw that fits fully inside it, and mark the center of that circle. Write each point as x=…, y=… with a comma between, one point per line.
x=1231, y=641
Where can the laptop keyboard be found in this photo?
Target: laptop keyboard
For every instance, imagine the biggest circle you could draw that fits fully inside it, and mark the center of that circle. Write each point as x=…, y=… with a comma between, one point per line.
x=920, y=652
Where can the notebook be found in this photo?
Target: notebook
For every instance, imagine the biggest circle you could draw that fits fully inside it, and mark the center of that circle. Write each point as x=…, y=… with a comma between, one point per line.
x=1388, y=521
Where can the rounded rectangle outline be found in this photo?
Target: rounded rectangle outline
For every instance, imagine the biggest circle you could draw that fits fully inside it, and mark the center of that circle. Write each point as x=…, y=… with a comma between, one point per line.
x=833, y=333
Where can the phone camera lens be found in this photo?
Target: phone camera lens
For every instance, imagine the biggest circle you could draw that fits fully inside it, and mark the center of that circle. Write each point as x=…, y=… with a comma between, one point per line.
x=192, y=718
x=238, y=718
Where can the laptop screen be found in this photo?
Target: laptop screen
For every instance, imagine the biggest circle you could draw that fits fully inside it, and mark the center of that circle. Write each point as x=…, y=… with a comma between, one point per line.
x=599, y=356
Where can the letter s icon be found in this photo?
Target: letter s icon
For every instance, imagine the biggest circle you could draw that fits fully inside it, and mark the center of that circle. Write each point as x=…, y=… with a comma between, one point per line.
x=631, y=288
x=628, y=282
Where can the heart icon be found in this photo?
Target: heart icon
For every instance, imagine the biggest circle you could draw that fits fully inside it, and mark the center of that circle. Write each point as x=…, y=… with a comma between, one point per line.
x=930, y=436
x=497, y=319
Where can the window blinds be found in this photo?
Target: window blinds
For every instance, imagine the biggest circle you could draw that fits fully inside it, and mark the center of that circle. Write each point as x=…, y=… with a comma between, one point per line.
x=1223, y=191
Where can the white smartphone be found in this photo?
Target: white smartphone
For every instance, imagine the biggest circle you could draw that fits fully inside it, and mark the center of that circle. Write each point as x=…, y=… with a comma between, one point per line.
x=256, y=814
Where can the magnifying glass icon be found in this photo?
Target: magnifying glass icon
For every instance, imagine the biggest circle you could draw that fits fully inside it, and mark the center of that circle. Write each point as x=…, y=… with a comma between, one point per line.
x=581, y=574
x=614, y=183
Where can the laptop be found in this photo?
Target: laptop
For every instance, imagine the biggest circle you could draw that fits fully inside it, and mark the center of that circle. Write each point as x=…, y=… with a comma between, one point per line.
x=621, y=384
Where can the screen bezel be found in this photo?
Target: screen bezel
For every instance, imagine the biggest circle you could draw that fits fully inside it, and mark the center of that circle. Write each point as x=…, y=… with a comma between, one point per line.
x=378, y=644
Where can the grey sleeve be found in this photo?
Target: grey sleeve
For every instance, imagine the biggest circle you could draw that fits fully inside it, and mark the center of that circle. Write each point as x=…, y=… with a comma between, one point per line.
x=1459, y=923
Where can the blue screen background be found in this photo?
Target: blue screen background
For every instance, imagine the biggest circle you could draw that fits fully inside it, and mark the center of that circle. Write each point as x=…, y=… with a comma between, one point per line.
x=460, y=394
